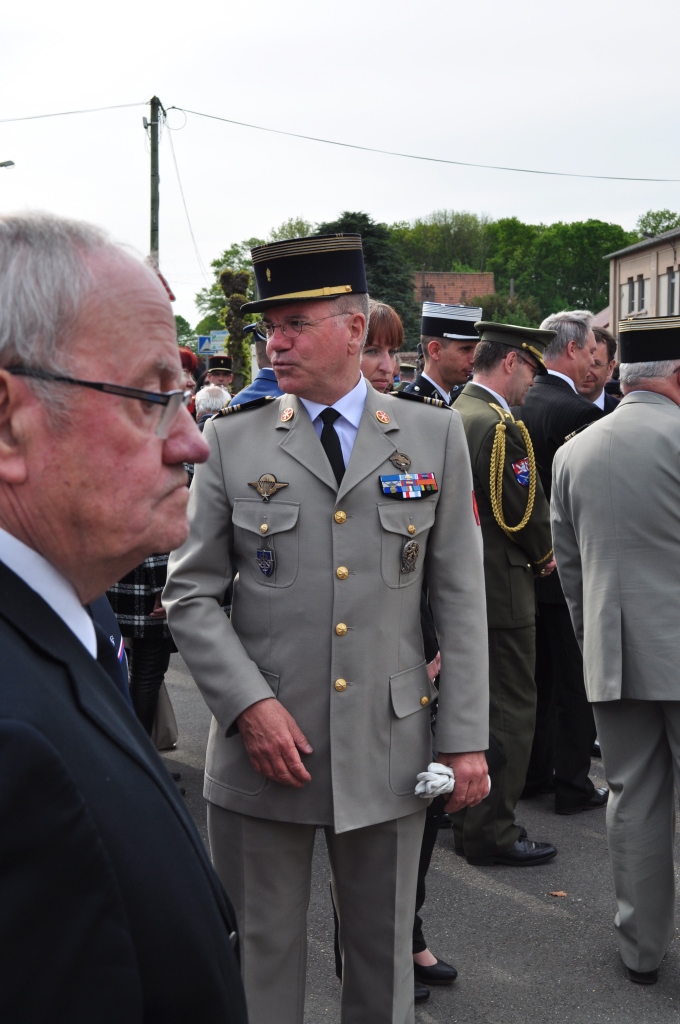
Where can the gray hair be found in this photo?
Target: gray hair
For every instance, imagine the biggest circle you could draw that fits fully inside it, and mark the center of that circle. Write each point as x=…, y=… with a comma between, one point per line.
x=211, y=398
x=45, y=278
x=571, y=325
x=357, y=303
x=632, y=375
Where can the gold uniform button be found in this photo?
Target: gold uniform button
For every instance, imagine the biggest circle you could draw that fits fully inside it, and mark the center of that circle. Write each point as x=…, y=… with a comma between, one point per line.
x=264, y=528
x=340, y=685
x=340, y=517
x=424, y=701
x=411, y=529
x=342, y=572
x=341, y=629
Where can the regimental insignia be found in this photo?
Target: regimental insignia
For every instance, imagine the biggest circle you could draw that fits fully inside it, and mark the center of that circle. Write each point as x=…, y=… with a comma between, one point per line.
x=408, y=485
x=287, y=414
x=382, y=417
x=266, y=486
x=243, y=406
x=409, y=556
x=269, y=274
x=266, y=561
x=400, y=461
x=521, y=471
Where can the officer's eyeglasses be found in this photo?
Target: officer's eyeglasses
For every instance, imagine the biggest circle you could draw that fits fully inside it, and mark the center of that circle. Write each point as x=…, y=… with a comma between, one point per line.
x=534, y=367
x=163, y=405
x=291, y=327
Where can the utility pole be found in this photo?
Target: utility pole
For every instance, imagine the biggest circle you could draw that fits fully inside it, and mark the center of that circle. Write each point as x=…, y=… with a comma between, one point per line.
x=156, y=108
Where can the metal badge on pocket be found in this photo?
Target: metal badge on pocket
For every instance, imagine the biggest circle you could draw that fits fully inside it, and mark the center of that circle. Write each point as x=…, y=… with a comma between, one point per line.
x=266, y=561
x=409, y=556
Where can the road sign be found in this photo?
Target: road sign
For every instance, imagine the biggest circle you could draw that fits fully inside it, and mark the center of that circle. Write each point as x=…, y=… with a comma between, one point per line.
x=214, y=342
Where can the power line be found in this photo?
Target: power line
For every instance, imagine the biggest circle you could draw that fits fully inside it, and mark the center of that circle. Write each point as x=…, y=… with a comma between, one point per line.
x=66, y=113
x=186, y=210
x=414, y=156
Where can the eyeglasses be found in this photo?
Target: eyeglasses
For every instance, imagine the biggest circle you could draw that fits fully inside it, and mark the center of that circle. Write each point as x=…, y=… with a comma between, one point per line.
x=168, y=403
x=534, y=367
x=291, y=327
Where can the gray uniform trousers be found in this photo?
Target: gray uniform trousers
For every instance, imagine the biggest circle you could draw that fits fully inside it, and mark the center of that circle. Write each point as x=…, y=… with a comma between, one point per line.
x=266, y=867
x=640, y=741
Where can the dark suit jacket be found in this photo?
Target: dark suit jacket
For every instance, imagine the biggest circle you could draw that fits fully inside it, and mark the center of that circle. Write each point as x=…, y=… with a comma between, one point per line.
x=610, y=403
x=551, y=411
x=110, y=909
x=422, y=386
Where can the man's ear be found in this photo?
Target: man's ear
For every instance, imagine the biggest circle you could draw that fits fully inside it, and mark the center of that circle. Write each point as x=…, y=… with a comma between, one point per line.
x=571, y=349
x=433, y=349
x=13, y=410
x=357, y=328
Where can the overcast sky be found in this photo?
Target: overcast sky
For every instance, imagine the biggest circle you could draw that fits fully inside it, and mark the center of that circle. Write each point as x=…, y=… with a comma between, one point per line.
x=585, y=86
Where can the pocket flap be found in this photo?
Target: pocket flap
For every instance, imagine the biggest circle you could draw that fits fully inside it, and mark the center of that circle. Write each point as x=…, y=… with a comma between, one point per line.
x=411, y=691
x=398, y=516
x=278, y=516
x=518, y=557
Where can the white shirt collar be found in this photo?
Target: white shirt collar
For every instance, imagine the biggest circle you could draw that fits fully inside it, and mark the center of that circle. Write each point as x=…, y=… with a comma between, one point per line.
x=556, y=373
x=48, y=583
x=446, y=395
x=599, y=402
x=499, y=398
x=351, y=405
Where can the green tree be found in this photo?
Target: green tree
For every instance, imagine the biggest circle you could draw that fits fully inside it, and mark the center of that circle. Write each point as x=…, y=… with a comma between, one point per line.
x=294, y=227
x=501, y=309
x=212, y=322
x=655, y=222
x=510, y=253
x=235, y=285
x=185, y=334
x=388, y=272
x=444, y=240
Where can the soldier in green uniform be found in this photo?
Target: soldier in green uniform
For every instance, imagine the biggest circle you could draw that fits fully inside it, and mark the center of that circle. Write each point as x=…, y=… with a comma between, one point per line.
x=515, y=521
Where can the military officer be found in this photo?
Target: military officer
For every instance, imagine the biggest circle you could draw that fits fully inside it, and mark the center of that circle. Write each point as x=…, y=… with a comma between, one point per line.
x=515, y=520
x=448, y=341
x=332, y=504
x=219, y=371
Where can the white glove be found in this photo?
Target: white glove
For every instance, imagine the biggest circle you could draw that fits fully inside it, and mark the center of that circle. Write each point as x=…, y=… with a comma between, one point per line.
x=438, y=780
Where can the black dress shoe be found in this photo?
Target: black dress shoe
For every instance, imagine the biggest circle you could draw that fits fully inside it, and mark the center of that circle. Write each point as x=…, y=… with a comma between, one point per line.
x=460, y=850
x=598, y=798
x=595, y=750
x=642, y=977
x=440, y=973
x=523, y=853
x=420, y=993
x=444, y=821
x=176, y=776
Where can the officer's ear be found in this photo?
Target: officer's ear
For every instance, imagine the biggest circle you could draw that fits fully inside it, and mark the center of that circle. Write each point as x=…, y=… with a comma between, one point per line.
x=434, y=347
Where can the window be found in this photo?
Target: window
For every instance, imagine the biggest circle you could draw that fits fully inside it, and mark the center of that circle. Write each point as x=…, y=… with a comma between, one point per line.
x=641, y=292
x=631, y=295
x=671, y=291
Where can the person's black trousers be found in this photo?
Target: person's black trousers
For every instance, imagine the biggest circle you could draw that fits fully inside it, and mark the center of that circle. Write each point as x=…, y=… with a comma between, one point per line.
x=148, y=660
x=565, y=727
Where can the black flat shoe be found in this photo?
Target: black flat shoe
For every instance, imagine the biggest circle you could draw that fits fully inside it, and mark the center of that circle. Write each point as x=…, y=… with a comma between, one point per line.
x=524, y=853
x=440, y=973
x=420, y=993
x=597, y=799
x=642, y=977
x=595, y=751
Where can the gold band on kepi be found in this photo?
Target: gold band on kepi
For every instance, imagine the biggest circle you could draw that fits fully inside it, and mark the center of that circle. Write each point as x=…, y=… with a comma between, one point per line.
x=649, y=340
x=529, y=339
x=305, y=269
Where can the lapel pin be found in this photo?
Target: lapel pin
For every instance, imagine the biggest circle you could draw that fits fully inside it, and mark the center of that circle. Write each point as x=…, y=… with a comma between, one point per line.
x=382, y=417
x=287, y=414
x=266, y=486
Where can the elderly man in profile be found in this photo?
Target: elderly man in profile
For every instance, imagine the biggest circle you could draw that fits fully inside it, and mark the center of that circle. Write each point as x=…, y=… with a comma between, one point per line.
x=210, y=400
x=615, y=500
x=104, y=882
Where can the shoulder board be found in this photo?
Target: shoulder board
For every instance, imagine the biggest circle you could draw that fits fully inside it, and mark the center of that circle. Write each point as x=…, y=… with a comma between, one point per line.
x=578, y=430
x=413, y=397
x=244, y=406
x=505, y=416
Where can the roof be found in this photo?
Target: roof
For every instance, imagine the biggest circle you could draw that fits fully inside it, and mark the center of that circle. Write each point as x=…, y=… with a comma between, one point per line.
x=645, y=243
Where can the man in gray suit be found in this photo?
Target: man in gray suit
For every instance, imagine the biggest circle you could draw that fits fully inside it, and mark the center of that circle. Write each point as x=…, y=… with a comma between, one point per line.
x=318, y=684
x=615, y=498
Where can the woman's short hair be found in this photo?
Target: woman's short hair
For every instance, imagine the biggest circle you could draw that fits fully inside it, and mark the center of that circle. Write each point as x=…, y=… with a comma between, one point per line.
x=189, y=359
x=385, y=325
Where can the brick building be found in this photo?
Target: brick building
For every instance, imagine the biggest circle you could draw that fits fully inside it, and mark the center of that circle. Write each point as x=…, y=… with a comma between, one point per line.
x=457, y=289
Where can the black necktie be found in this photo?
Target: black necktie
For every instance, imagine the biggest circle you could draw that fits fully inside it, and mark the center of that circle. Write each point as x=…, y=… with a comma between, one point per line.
x=331, y=442
x=107, y=656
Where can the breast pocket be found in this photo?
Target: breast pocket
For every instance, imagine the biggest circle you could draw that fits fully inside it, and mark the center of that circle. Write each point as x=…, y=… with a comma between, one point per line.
x=404, y=529
x=266, y=536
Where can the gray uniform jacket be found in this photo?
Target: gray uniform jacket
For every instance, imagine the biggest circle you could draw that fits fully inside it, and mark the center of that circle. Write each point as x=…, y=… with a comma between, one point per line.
x=342, y=650
x=616, y=531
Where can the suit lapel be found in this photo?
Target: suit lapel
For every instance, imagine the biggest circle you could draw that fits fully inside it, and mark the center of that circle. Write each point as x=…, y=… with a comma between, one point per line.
x=300, y=441
x=372, y=447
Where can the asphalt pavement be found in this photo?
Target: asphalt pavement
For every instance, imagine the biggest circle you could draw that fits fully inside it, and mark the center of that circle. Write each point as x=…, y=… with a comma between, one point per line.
x=524, y=955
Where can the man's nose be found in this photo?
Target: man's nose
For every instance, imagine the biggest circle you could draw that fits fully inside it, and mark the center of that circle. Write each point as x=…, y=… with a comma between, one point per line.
x=185, y=442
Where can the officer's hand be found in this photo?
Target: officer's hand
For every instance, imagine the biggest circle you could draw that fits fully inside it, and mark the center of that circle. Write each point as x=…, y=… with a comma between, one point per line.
x=548, y=568
x=272, y=739
x=434, y=667
x=472, y=782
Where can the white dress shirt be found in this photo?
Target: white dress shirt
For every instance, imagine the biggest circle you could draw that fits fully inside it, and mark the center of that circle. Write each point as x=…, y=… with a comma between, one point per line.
x=350, y=407
x=499, y=398
x=556, y=373
x=599, y=402
x=446, y=395
x=48, y=583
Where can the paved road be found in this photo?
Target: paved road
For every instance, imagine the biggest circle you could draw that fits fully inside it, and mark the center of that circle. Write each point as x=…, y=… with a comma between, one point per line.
x=523, y=956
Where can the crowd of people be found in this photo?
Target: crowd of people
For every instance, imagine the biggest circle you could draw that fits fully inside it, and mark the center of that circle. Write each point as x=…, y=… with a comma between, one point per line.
x=361, y=579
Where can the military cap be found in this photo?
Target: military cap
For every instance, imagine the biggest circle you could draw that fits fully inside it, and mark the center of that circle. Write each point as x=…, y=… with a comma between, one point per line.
x=530, y=339
x=441, y=320
x=317, y=267
x=221, y=363
x=650, y=340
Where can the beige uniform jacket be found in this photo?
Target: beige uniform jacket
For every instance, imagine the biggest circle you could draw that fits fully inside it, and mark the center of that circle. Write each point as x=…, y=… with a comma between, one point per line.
x=616, y=530
x=334, y=632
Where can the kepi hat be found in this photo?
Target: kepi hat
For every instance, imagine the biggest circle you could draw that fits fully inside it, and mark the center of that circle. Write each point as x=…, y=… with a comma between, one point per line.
x=441, y=320
x=317, y=267
x=651, y=340
x=221, y=363
x=530, y=339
